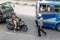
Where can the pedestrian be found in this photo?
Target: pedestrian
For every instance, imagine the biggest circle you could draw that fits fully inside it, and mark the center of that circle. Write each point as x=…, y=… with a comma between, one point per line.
x=40, y=24
x=48, y=9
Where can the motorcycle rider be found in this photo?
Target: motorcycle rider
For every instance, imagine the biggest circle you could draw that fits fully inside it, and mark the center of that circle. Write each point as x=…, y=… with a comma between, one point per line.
x=15, y=20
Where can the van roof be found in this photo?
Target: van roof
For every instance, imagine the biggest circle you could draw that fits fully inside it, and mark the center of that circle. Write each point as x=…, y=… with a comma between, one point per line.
x=49, y=2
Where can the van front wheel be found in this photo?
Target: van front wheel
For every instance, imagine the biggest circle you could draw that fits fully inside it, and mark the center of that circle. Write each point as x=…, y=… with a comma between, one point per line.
x=58, y=27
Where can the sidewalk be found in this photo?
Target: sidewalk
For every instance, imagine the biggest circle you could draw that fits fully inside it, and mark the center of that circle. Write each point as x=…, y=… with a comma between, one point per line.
x=29, y=3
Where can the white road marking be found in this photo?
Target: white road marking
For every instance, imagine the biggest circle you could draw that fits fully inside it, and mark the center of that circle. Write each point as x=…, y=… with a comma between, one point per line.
x=26, y=35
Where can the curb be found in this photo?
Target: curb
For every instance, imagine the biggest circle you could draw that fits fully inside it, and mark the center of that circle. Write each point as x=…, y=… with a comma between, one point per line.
x=24, y=3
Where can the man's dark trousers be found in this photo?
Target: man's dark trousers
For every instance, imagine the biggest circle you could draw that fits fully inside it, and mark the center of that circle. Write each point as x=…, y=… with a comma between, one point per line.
x=39, y=31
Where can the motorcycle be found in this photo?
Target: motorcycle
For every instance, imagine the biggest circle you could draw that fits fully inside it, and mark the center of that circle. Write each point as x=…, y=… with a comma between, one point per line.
x=20, y=26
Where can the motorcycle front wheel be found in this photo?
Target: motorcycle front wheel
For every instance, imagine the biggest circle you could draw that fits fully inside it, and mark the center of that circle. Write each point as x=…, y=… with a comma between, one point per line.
x=24, y=28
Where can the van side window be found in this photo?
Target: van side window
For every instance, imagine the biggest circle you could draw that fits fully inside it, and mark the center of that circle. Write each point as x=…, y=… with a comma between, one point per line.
x=56, y=8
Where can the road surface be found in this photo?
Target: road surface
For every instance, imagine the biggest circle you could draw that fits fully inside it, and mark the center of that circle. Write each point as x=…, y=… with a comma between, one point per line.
x=27, y=14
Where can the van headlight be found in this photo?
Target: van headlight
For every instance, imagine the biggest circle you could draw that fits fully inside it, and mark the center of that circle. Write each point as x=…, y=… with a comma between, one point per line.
x=39, y=15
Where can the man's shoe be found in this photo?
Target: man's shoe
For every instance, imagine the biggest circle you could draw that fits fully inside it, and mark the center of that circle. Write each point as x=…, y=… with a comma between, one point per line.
x=39, y=35
x=14, y=30
x=45, y=34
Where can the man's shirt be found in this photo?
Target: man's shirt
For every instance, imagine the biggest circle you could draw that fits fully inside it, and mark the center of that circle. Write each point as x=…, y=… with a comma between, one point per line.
x=40, y=21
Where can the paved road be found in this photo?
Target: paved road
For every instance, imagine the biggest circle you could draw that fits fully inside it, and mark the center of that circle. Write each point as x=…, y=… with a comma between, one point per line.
x=27, y=13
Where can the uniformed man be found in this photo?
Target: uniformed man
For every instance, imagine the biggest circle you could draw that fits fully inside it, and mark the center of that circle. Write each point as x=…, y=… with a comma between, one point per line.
x=40, y=24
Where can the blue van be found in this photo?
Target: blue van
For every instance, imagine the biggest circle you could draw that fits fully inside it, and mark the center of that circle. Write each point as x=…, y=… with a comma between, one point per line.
x=50, y=13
